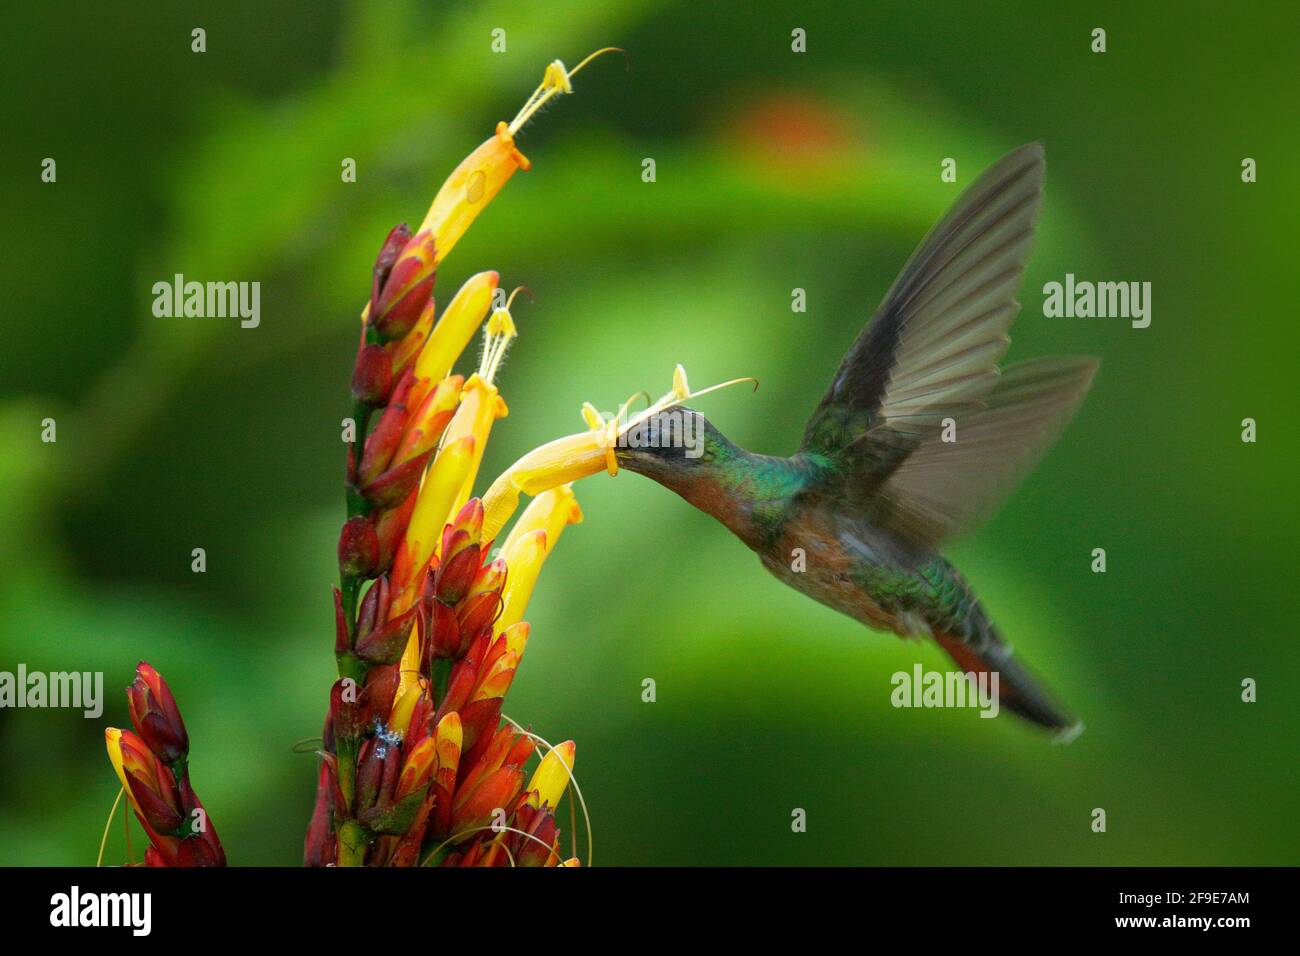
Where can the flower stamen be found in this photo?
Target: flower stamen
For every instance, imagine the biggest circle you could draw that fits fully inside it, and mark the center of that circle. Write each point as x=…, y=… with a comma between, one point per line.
x=498, y=333
x=556, y=79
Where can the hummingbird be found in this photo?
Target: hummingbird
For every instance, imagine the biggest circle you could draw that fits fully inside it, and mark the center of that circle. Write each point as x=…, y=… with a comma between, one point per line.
x=919, y=437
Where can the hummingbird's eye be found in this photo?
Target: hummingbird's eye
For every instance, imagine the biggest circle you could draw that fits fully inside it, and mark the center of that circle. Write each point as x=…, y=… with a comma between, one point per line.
x=672, y=434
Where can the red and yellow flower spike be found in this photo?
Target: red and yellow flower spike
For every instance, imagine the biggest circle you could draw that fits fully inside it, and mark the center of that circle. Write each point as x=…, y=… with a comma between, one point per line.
x=418, y=764
x=429, y=629
x=152, y=765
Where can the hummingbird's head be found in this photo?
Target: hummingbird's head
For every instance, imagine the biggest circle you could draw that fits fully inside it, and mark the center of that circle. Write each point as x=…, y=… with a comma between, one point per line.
x=669, y=445
x=680, y=449
x=677, y=447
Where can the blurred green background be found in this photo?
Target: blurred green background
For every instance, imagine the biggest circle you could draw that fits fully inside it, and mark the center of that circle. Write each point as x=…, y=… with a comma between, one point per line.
x=774, y=171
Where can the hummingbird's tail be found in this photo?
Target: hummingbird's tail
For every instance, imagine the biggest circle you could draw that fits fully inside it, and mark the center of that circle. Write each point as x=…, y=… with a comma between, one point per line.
x=1019, y=691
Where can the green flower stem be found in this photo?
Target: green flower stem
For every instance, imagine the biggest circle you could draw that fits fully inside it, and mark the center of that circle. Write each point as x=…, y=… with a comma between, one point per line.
x=351, y=588
x=345, y=750
x=352, y=836
x=353, y=840
x=361, y=417
x=352, y=666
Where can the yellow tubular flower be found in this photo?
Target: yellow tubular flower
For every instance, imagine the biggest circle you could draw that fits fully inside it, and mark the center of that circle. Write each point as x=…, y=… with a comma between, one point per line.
x=555, y=463
x=552, y=776
x=551, y=511
x=458, y=325
x=524, y=559
x=481, y=404
x=480, y=176
x=446, y=489
x=470, y=187
x=526, y=548
x=433, y=504
x=442, y=483
x=408, y=677
x=402, y=710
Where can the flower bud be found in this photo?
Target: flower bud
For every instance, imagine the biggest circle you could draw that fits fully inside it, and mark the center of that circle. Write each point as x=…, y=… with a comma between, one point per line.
x=448, y=735
x=393, y=246
x=442, y=637
x=374, y=606
x=479, y=611
x=425, y=425
x=418, y=767
x=538, y=848
x=358, y=548
x=197, y=851
x=345, y=708
x=552, y=776
x=391, y=527
x=385, y=644
x=478, y=718
x=386, y=434
x=155, y=715
x=475, y=809
x=372, y=376
x=391, y=488
x=370, y=772
x=378, y=694
x=407, y=289
x=459, y=567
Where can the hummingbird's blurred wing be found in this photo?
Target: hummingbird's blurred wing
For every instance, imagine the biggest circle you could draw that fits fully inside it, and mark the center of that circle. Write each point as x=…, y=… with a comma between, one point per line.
x=931, y=351
x=944, y=488
x=929, y=356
